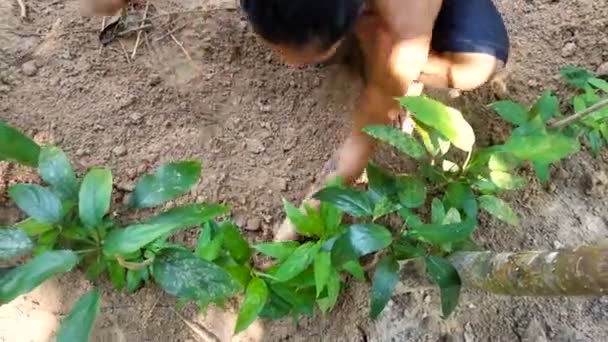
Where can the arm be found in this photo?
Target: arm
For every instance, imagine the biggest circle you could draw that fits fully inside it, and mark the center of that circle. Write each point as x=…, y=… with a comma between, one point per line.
x=101, y=7
x=411, y=24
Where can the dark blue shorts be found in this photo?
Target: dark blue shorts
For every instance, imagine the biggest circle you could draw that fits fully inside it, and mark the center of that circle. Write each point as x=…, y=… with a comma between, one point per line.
x=471, y=26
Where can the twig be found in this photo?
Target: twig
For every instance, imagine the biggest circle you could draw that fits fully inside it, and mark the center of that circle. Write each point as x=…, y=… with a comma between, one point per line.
x=181, y=46
x=168, y=33
x=122, y=46
x=103, y=26
x=578, y=116
x=169, y=14
x=131, y=30
x=23, y=9
x=139, y=32
x=198, y=329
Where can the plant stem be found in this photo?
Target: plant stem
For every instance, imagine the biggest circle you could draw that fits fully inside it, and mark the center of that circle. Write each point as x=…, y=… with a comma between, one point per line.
x=566, y=272
x=578, y=116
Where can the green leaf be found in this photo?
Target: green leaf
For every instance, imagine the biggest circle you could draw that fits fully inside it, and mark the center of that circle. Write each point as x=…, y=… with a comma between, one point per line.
x=437, y=211
x=302, y=301
x=507, y=181
x=14, y=146
x=352, y=202
x=543, y=172
x=595, y=141
x=303, y=223
x=499, y=209
x=326, y=304
x=134, y=237
x=180, y=273
x=446, y=277
x=511, y=111
x=94, y=196
x=322, y=270
x=14, y=243
x=37, y=202
x=448, y=121
x=79, y=323
x=32, y=227
x=452, y=216
x=546, y=106
x=384, y=281
x=380, y=183
x=434, y=142
x=384, y=207
x=46, y=241
x=297, y=262
x=354, y=268
x=168, y=182
x=501, y=161
x=96, y=266
x=404, y=249
x=134, y=279
x=191, y=214
x=55, y=169
x=118, y=274
x=577, y=77
x=445, y=233
x=410, y=219
x=210, y=242
x=599, y=84
x=276, y=307
x=255, y=299
x=240, y=273
x=579, y=103
x=28, y=276
x=367, y=238
x=547, y=148
x=412, y=191
x=234, y=242
x=278, y=250
x=455, y=195
x=332, y=217
x=404, y=142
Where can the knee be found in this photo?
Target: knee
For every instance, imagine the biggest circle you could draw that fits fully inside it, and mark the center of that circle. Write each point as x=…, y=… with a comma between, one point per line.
x=471, y=71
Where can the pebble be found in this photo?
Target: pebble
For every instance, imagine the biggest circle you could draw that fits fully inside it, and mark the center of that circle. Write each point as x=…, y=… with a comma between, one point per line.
x=569, y=49
x=602, y=70
x=136, y=117
x=240, y=220
x=119, y=151
x=282, y=184
x=4, y=89
x=254, y=146
x=534, y=333
x=81, y=152
x=29, y=68
x=254, y=224
x=468, y=333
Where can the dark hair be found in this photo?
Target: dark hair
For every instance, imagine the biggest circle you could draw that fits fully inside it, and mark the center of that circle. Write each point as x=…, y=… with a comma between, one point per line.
x=299, y=22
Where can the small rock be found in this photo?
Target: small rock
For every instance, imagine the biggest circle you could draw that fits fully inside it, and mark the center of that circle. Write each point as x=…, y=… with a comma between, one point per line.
x=81, y=152
x=557, y=244
x=4, y=89
x=131, y=173
x=253, y=224
x=282, y=184
x=602, y=70
x=254, y=146
x=154, y=80
x=29, y=68
x=125, y=186
x=136, y=117
x=568, y=49
x=119, y=151
x=534, y=333
x=240, y=220
x=290, y=143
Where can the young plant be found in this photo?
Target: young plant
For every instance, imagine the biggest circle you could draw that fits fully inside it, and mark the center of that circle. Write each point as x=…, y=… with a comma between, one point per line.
x=69, y=224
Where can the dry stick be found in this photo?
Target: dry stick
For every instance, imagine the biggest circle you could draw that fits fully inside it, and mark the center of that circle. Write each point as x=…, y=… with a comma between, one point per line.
x=23, y=8
x=168, y=33
x=124, y=50
x=103, y=26
x=139, y=32
x=580, y=115
x=181, y=46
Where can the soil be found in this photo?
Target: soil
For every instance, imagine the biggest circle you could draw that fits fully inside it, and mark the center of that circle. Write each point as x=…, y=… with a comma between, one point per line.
x=263, y=130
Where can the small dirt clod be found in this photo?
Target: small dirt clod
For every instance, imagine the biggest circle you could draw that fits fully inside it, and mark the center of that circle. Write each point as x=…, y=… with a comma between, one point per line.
x=119, y=151
x=29, y=68
x=253, y=224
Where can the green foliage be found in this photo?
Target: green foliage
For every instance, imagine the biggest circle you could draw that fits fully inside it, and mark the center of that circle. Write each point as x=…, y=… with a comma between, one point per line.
x=385, y=279
x=28, y=276
x=14, y=146
x=168, y=182
x=78, y=325
x=69, y=224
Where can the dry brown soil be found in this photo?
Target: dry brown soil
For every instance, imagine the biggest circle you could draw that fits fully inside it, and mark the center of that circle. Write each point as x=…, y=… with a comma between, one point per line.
x=262, y=131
